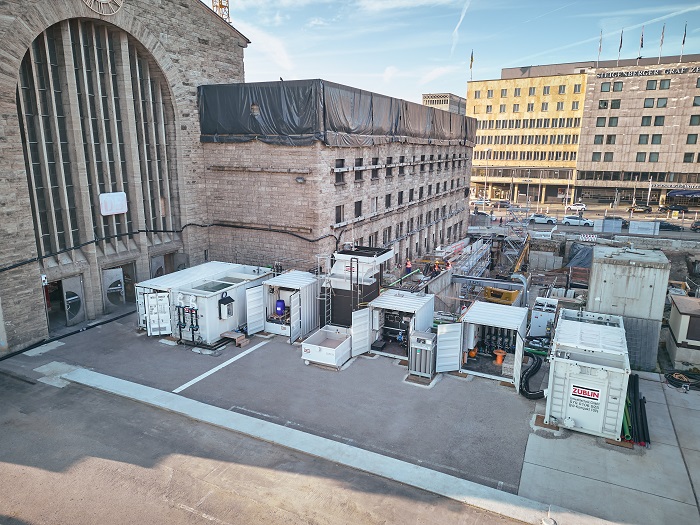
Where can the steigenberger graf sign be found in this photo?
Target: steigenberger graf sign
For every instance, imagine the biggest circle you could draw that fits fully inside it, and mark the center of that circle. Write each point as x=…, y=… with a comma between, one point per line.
x=650, y=72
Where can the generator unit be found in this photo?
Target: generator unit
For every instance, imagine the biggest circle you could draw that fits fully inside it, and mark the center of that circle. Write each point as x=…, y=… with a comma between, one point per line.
x=588, y=373
x=421, y=354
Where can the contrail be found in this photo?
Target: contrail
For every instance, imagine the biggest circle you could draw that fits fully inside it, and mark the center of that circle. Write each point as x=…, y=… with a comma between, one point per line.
x=455, y=33
x=595, y=38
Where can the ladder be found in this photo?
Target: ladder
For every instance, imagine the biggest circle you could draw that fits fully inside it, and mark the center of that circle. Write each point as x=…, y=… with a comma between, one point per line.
x=324, y=265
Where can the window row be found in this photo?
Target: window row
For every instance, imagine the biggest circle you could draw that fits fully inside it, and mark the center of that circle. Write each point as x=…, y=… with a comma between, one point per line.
x=525, y=155
x=532, y=123
x=527, y=139
x=531, y=92
x=529, y=108
x=359, y=208
x=643, y=139
x=430, y=161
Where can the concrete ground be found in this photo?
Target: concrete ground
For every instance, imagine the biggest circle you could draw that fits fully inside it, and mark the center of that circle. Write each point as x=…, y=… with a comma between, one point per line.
x=641, y=486
x=459, y=426
x=475, y=430
x=76, y=455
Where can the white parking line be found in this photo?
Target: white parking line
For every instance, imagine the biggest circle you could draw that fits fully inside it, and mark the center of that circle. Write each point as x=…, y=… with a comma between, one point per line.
x=216, y=369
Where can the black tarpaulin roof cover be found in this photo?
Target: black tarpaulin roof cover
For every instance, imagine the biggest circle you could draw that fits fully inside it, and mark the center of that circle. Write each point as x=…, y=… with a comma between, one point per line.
x=299, y=112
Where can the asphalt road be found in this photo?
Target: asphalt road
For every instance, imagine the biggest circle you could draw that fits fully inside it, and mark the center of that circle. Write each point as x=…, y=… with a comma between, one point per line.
x=77, y=456
x=597, y=211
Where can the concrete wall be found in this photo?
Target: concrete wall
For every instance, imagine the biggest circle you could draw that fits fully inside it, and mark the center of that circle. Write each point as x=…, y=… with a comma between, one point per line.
x=190, y=45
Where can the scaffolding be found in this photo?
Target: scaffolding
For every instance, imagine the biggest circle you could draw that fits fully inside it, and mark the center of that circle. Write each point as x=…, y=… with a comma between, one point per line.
x=221, y=8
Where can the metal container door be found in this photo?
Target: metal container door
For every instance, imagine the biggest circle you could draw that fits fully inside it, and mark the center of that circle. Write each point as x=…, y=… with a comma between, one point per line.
x=255, y=310
x=361, y=331
x=518, y=364
x=449, y=347
x=74, y=300
x=294, y=317
x=113, y=289
x=158, y=320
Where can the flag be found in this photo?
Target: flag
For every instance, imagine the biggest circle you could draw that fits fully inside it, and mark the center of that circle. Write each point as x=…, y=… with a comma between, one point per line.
x=663, y=30
x=641, y=39
x=600, y=42
x=684, y=33
x=620, y=48
x=471, y=60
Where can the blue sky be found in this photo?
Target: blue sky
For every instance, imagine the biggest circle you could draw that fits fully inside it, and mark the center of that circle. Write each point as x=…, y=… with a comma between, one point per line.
x=404, y=48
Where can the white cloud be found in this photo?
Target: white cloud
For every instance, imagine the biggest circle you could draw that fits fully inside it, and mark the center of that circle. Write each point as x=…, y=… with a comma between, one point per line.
x=389, y=73
x=316, y=22
x=268, y=45
x=436, y=73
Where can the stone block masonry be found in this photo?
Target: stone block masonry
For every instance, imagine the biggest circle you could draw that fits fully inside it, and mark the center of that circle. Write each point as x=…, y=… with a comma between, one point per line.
x=186, y=43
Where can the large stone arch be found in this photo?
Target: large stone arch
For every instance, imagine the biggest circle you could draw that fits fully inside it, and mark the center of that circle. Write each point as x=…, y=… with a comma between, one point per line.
x=167, y=31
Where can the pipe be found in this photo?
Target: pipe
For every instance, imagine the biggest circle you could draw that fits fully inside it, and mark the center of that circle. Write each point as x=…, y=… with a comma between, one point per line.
x=527, y=374
x=625, y=427
x=645, y=423
x=401, y=279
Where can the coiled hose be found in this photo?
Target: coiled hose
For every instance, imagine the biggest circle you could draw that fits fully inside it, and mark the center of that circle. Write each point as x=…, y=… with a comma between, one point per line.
x=683, y=379
x=527, y=374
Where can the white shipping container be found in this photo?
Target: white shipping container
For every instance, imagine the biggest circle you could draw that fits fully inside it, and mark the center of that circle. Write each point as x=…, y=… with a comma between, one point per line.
x=628, y=282
x=297, y=294
x=588, y=374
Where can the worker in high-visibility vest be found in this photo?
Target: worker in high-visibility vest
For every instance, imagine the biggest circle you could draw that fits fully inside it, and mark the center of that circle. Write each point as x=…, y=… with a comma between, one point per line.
x=408, y=266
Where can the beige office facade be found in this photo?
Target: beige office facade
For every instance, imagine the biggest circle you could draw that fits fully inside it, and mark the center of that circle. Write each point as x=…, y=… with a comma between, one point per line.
x=633, y=134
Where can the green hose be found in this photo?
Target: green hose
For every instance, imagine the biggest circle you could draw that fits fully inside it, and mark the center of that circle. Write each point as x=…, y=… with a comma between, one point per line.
x=626, y=424
x=536, y=352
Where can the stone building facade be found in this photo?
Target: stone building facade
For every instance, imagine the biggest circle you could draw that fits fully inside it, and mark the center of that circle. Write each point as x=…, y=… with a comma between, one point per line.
x=325, y=165
x=98, y=98
x=312, y=199
x=99, y=109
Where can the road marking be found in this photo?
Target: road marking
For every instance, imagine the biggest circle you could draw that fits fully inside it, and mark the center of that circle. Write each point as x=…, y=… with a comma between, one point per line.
x=216, y=369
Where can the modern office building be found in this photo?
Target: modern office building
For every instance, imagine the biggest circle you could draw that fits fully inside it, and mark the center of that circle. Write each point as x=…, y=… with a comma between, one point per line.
x=528, y=133
x=445, y=102
x=633, y=133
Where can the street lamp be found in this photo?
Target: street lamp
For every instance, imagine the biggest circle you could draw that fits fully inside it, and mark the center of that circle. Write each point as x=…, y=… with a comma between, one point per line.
x=539, y=192
x=527, y=191
x=486, y=178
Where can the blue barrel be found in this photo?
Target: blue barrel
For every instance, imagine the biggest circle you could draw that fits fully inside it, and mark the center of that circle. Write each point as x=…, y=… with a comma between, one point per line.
x=279, y=307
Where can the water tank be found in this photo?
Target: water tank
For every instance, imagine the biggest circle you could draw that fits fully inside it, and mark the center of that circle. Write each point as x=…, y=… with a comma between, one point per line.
x=279, y=307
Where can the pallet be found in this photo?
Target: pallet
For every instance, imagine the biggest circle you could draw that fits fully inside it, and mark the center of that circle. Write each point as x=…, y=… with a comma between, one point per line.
x=234, y=336
x=539, y=422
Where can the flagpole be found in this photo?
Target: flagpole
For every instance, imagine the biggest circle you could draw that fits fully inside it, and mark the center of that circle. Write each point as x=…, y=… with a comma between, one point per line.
x=620, y=48
x=661, y=45
x=641, y=45
x=683, y=43
x=600, y=48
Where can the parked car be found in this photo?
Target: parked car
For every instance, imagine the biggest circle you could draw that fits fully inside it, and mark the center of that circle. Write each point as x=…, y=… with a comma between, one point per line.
x=625, y=222
x=541, y=218
x=669, y=226
x=576, y=206
x=695, y=226
x=673, y=207
x=640, y=208
x=481, y=202
x=575, y=220
x=503, y=203
x=484, y=214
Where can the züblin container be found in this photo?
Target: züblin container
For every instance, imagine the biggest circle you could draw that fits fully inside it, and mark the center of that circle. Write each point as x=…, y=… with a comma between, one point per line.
x=588, y=373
